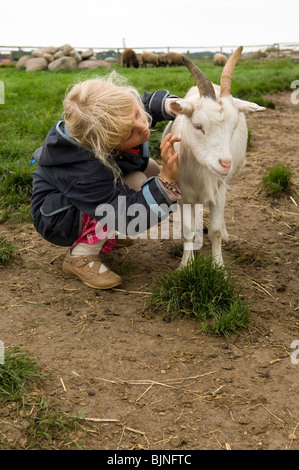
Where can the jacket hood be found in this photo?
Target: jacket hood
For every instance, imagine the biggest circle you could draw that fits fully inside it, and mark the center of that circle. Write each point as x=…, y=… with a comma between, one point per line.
x=59, y=146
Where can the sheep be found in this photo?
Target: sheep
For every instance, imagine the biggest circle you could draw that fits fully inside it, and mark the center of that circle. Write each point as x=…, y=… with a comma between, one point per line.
x=220, y=59
x=150, y=58
x=174, y=58
x=162, y=60
x=213, y=131
x=129, y=58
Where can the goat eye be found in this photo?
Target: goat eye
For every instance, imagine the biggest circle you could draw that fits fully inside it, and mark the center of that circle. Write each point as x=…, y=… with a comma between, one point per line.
x=198, y=126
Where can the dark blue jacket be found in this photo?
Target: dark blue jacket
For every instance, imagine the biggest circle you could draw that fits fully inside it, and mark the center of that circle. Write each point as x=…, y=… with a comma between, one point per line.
x=69, y=181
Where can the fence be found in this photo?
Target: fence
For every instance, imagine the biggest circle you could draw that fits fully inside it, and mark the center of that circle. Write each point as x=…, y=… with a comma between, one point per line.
x=278, y=50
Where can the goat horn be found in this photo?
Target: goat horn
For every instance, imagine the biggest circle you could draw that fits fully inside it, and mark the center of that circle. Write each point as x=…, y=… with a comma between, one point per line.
x=227, y=73
x=204, y=85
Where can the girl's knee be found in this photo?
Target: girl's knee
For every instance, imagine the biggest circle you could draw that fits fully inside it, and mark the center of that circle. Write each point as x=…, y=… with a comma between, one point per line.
x=152, y=169
x=134, y=180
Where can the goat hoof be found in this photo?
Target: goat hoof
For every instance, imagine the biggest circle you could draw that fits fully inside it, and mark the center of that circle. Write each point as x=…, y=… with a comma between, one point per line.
x=180, y=266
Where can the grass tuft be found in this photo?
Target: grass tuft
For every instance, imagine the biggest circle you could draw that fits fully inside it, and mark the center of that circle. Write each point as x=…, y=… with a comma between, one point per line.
x=49, y=425
x=278, y=179
x=7, y=251
x=17, y=375
x=43, y=426
x=204, y=291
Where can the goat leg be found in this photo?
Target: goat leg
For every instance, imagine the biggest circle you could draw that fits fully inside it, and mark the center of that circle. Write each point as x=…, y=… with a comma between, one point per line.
x=217, y=230
x=192, y=230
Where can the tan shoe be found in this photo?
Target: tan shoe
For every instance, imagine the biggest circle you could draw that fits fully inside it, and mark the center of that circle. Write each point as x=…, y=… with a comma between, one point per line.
x=78, y=266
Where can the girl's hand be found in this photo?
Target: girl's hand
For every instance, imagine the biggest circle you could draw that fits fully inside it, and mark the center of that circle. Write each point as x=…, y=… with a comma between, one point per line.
x=170, y=171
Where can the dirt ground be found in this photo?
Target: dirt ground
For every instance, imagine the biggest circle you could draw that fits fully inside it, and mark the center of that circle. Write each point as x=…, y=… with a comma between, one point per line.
x=154, y=384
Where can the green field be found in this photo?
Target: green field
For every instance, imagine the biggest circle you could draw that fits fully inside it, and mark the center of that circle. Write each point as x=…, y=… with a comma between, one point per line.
x=33, y=103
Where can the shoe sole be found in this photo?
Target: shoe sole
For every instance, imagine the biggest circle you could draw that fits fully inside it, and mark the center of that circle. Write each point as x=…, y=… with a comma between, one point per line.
x=118, y=283
x=100, y=288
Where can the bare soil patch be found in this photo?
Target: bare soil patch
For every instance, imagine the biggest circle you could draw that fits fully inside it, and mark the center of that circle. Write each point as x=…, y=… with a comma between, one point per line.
x=164, y=384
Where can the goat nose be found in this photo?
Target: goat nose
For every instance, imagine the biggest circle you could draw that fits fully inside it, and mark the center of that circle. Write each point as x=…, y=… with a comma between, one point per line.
x=225, y=163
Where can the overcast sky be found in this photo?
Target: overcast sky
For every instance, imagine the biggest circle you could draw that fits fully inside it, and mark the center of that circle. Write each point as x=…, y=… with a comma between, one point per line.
x=151, y=23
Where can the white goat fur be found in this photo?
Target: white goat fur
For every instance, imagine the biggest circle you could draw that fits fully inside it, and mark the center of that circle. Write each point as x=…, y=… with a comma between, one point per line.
x=212, y=150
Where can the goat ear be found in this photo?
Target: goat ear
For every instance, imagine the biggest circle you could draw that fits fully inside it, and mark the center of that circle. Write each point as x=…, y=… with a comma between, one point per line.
x=181, y=106
x=247, y=106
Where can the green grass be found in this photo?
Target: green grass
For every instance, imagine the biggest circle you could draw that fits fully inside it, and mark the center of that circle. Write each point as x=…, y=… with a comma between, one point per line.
x=44, y=426
x=202, y=291
x=15, y=189
x=33, y=103
x=17, y=376
x=278, y=179
x=7, y=251
x=49, y=425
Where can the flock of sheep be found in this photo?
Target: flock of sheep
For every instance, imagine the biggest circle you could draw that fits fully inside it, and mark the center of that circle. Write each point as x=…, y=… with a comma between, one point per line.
x=67, y=58
x=129, y=58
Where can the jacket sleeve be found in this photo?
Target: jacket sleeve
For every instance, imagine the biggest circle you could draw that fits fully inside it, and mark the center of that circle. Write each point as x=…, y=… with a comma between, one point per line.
x=119, y=207
x=154, y=104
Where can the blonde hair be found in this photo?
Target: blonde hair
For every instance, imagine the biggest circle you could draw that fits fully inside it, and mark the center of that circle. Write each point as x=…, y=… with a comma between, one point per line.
x=98, y=114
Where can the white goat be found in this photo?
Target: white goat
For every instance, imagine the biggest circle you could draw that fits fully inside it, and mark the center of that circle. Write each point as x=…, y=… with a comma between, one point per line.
x=213, y=132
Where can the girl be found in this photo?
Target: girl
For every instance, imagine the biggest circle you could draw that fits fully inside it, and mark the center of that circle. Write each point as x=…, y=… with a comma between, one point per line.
x=96, y=153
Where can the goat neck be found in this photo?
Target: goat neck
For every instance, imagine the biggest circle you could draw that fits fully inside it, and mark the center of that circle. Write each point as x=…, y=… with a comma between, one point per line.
x=204, y=85
x=227, y=73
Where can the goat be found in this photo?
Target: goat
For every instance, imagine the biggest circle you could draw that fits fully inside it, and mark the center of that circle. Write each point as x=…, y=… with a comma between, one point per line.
x=220, y=59
x=129, y=58
x=150, y=58
x=213, y=131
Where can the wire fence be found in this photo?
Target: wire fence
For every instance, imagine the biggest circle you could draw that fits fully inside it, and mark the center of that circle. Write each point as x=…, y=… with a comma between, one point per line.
x=114, y=53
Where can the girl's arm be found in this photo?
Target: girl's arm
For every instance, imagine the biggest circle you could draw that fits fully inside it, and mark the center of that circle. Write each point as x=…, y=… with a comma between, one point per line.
x=154, y=104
